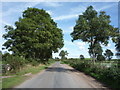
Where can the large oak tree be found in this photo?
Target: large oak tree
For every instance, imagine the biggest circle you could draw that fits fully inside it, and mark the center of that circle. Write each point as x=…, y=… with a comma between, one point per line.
x=94, y=28
x=36, y=35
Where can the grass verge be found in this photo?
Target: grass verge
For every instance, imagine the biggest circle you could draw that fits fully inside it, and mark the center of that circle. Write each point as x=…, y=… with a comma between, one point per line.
x=108, y=76
x=12, y=81
x=19, y=78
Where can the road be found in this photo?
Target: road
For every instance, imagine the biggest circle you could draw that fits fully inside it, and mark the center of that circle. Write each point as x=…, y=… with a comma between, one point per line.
x=61, y=76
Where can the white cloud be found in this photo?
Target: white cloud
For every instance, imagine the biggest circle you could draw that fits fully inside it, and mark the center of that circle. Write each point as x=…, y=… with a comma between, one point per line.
x=80, y=9
x=113, y=50
x=109, y=45
x=104, y=7
x=5, y=23
x=81, y=45
x=66, y=17
x=49, y=12
x=64, y=48
x=69, y=30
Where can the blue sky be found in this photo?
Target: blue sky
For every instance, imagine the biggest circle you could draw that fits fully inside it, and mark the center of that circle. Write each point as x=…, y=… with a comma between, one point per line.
x=65, y=15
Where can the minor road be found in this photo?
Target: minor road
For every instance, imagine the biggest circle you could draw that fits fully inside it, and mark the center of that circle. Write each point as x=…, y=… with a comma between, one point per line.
x=61, y=76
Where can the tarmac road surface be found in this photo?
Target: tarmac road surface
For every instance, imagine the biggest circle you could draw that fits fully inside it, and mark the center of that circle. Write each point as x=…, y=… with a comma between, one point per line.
x=61, y=76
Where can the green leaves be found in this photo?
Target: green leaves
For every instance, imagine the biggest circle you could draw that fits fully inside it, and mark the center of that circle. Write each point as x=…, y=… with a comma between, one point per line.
x=36, y=35
x=63, y=54
x=108, y=53
x=95, y=29
x=118, y=47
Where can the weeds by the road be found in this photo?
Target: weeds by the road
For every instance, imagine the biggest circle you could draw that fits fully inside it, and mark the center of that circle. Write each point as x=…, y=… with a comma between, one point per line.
x=107, y=75
x=19, y=77
x=12, y=81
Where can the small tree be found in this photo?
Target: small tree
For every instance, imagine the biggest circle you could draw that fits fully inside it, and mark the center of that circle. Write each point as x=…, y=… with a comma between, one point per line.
x=118, y=47
x=108, y=54
x=100, y=57
x=82, y=57
x=63, y=54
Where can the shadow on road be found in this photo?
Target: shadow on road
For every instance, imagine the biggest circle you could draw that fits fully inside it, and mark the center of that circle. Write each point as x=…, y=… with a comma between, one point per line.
x=59, y=69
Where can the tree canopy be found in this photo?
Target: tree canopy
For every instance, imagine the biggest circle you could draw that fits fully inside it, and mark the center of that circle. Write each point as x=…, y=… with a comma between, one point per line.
x=63, y=53
x=94, y=28
x=108, y=53
x=82, y=57
x=36, y=35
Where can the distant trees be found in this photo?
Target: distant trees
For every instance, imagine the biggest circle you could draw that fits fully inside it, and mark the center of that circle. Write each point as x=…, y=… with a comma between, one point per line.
x=108, y=54
x=63, y=53
x=36, y=35
x=95, y=29
x=82, y=57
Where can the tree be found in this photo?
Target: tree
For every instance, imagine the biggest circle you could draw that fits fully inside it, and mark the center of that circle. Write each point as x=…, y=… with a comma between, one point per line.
x=94, y=28
x=118, y=50
x=100, y=57
x=118, y=47
x=63, y=54
x=97, y=51
x=36, y=35
x=108, y=54
x=0, y=55
x=82, y=57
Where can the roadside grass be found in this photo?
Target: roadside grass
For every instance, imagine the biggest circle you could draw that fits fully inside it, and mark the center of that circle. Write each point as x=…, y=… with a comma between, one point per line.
x=0, y=62
x=107, y=75
x=31, y=69
x=19, y=76
x=12, y=81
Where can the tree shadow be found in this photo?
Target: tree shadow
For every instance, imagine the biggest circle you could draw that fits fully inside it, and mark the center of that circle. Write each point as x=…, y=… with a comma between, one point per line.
x=59, y=69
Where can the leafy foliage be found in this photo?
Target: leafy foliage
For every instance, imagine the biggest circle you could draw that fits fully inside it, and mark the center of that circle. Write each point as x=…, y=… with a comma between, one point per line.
x=108, y=53
x=15, y=62
x=82, y=57
x=95, y=29
x=118, y=46
x=36, y=35
x=100, y=57
x=63, y=54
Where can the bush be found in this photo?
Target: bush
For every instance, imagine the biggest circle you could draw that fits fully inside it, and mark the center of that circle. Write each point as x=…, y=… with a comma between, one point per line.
x=34, y=63
x=82, y=57
x=109, y=76
x=15, y=62
x=100, y=58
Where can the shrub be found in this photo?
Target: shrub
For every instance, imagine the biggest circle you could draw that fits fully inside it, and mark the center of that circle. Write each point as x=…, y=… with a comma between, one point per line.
x=82, y=57
x=34, y=63
x=100, y=58
x=110, y=76
x=16, y=62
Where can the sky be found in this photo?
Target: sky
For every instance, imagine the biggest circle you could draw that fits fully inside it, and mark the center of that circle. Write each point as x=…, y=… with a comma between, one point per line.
x=65, y=15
